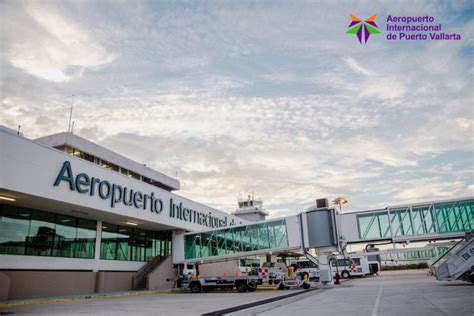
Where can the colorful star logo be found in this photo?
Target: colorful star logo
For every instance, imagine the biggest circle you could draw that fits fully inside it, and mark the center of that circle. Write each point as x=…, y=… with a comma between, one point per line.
x=368, y=27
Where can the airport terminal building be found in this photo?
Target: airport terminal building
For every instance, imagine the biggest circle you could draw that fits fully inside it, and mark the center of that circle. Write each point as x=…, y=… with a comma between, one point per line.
x=76, y=218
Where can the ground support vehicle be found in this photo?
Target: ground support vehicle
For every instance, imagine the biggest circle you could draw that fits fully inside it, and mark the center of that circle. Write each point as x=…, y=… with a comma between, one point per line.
x=458, y=262
x=276, y=271
x=306, y=270
x=292, y=282
x=353, y=265
x=207, y=284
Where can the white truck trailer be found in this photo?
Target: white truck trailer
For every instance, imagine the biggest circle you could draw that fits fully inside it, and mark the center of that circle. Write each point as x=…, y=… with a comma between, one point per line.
x=241, y=283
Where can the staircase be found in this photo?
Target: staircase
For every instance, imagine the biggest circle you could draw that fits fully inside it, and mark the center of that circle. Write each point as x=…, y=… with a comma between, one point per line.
x=457, y=262
x=140, y=278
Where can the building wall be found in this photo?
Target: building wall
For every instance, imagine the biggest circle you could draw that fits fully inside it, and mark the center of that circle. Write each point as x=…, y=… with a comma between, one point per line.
x=29, y=284
x=163, y=277
x=32, y=284
x=31, y=168
x=4, y=286
x=117, y=281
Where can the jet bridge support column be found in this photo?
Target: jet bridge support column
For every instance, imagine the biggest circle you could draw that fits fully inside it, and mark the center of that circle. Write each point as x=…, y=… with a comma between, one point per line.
x=319, y=231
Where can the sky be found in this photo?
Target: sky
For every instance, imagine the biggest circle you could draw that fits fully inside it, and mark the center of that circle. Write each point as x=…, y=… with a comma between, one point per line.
x=235, y=97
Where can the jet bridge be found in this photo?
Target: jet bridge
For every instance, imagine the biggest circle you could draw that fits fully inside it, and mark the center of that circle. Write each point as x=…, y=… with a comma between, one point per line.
x=315, y=228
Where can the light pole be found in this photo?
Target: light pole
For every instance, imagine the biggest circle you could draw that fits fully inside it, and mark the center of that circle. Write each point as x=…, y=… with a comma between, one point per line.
x=339, y=201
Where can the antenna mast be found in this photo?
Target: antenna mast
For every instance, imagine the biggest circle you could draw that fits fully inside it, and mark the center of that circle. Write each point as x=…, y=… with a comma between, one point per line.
x=70, y=115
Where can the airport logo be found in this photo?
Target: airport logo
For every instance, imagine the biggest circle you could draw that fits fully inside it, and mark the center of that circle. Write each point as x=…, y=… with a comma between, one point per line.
x=363, y=29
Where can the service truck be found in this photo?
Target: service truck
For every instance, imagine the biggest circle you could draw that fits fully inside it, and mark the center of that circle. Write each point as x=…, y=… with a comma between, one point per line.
x=208, y=284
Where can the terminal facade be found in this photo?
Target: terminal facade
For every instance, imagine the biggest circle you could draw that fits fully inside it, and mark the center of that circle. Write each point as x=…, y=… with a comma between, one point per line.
x=76, y=217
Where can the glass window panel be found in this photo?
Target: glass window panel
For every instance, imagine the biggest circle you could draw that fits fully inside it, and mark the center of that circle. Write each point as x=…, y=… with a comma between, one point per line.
x=396, y=222
x=139, y=243
x=150, y=248
x=417, y=221
x=42, y=233
x=14, y=227
x=108, y=246
x=407, y=230
x=467, y=216
x=368, y=226
x=123, y=243
x=443, y=218
x=85, y=241
x=65, y=237
x=450, y=213
x=236, y=240
x=384, y=225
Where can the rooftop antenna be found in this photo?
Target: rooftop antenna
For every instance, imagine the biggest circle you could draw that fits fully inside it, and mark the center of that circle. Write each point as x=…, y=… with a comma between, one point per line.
x=18, y=131
x=72, y=127
x=176, y=174
x=69, y=128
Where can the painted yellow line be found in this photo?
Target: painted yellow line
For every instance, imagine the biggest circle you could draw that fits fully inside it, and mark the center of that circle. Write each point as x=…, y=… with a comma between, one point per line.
x=102, y=296
x=78, y=298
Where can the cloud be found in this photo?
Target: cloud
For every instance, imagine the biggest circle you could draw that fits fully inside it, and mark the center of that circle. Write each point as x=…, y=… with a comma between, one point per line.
x=54, y=48
x=354, y=65
x=235, y=98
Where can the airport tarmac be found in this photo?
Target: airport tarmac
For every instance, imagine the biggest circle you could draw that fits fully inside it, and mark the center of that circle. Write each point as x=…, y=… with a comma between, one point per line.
x=400, y=293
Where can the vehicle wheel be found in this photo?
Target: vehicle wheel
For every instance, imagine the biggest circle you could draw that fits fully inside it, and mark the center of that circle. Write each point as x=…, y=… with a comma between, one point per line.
x=306, y=285
x=281, y=286
x=195, y=287
x=251, y=286
x=345, y=274
x=305, y=276
x=241, y=287
x=270, y=282
x=277, y=282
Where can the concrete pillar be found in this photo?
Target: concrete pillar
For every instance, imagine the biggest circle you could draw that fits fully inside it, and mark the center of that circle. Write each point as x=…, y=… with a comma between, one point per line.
x=100, y=282
x=98, y=240
x=325, y=271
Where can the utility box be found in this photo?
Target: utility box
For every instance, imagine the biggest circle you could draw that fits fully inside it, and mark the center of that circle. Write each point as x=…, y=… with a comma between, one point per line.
x=325, y=276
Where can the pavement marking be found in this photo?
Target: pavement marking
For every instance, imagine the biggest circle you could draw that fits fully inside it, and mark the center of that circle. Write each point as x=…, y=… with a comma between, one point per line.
x=257, y=303
x=377, y=301
x=436, y=306
x=78, y=298
x=50, y=300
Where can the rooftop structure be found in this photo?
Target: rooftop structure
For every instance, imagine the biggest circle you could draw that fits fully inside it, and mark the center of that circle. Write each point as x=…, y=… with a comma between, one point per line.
x=84, y=149
x=251, y=209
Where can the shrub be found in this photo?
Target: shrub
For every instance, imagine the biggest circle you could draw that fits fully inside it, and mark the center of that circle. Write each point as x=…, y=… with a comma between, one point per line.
x=420, y=265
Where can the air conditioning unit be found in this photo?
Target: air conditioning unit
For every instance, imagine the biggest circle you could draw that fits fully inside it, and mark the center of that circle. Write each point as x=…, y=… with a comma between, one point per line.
x=322, y=203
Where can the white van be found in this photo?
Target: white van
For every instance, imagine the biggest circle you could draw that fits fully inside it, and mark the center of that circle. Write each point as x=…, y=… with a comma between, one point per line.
x=353, y=265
